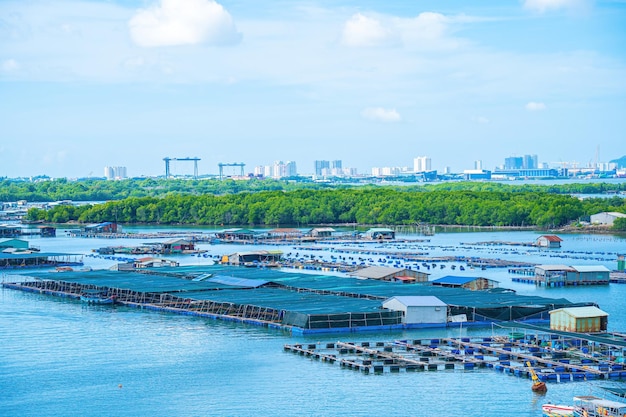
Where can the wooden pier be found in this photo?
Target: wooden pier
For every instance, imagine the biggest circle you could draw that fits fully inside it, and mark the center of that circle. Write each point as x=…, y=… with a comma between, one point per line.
x=554, y=358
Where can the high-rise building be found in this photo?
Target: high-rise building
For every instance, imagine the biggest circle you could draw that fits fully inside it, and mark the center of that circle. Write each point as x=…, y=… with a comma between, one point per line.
x=514, y=162
x=421, y=164
x=320, y=166
x=336, y=164
x=115, y=173
x=290, y=169
x=531, y=162
x=478, y=164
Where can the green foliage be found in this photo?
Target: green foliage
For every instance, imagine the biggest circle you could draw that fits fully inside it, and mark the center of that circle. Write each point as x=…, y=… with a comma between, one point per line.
x=619, y=224
x=365, y=205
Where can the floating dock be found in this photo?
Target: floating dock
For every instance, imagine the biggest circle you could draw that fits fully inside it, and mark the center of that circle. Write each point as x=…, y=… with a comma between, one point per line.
x=555, y=357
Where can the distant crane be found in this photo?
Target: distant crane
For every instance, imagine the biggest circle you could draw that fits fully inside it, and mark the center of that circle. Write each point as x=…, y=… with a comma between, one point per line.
x=221, y=165
x=167, y=165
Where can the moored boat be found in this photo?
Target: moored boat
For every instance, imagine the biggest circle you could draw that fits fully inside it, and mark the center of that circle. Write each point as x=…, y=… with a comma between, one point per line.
x=557, y=410
x=591, y=406
x=96, y=297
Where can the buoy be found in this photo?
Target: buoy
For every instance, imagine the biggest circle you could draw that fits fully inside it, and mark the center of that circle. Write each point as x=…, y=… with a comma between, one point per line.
x=120, y=386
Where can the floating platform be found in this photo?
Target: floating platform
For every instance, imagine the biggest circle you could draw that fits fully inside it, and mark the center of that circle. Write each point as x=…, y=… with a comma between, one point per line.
x=553, y=357
x=297, y=302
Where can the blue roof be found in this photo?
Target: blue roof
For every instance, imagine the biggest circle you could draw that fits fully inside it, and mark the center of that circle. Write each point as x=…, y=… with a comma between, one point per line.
x=453, y=280
x=238, y=282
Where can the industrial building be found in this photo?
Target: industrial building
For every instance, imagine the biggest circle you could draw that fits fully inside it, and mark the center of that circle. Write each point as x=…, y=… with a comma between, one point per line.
x=606, y=218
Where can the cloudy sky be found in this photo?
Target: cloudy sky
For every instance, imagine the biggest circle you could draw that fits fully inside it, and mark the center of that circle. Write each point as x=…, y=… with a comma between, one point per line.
x=87, y=84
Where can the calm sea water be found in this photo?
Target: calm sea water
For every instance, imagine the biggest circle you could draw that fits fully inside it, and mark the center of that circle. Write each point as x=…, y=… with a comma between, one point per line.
x=61, y=358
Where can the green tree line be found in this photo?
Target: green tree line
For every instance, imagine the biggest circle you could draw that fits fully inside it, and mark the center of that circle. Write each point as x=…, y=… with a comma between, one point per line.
x=102, y=190
x=365, y=205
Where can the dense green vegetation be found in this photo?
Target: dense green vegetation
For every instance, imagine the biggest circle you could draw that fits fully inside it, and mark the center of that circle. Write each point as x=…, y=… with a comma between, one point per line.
x=619, y=225
x=365, y=205
x=101, y=190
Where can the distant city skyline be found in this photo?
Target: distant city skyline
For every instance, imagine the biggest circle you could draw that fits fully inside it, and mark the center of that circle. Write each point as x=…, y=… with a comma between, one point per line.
x=91, y=83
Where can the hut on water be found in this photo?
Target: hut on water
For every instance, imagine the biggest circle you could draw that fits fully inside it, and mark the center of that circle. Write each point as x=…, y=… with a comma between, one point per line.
x=579, y=319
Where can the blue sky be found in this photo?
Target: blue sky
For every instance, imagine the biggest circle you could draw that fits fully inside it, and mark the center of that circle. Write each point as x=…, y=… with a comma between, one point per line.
x=88, y=84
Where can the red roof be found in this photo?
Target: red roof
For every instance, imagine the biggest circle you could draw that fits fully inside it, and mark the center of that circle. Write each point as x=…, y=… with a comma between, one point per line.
x=552, y=238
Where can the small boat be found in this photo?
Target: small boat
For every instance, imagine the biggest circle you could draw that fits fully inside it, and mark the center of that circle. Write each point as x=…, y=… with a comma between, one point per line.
x=96, y=297
x=591, y=406
x=556, y=410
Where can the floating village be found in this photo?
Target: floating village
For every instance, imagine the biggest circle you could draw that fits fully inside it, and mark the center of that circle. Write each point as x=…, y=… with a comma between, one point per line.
x=359, y=283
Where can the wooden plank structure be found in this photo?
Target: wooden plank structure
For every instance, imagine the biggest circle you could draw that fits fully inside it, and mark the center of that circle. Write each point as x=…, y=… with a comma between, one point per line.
x=567, y=359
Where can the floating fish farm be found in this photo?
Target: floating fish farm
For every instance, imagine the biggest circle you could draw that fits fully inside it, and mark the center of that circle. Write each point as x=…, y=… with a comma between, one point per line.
x=301, y=303
x=554, y=356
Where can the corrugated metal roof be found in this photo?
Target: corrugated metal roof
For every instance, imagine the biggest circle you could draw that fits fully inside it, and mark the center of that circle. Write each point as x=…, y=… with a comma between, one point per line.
x=449, y=279
x=418, y=300
x=238, y=282
x=379, y=229
x=581, y=312
x=376, y=272
x=555, y=268
x=552, y=238
x=590, y=268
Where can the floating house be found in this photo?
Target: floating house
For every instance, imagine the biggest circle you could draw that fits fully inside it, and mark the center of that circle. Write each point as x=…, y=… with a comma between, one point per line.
x=418, y=309
x=105, y=227
x=13, y=245
x=28, y=259
x=549, y=241
x=9, y=230
x=144, y=263
x=252, y=257
x=380, y=233
x=384, y=273
x=285, y=233
x=579, y=319
x=47, y=231
x=322, y=232
x=468, y=283
x=564, y=275
x=589, y=274
x=177, y=246
x=606, y=218
x=237, y=234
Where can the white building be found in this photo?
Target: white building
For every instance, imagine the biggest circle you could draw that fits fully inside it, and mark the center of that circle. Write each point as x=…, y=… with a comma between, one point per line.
x=419, y=309
x=421, y=164
x=606, y=217
x=115, y=173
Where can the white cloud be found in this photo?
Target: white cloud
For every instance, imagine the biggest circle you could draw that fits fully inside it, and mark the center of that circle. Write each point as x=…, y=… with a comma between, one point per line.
x=361, y=30
x=533, y=106
x=381, y=114
x=183, y=22
x=543, y=6
x=427, y=30
x=10, y=65
x=480, y=119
